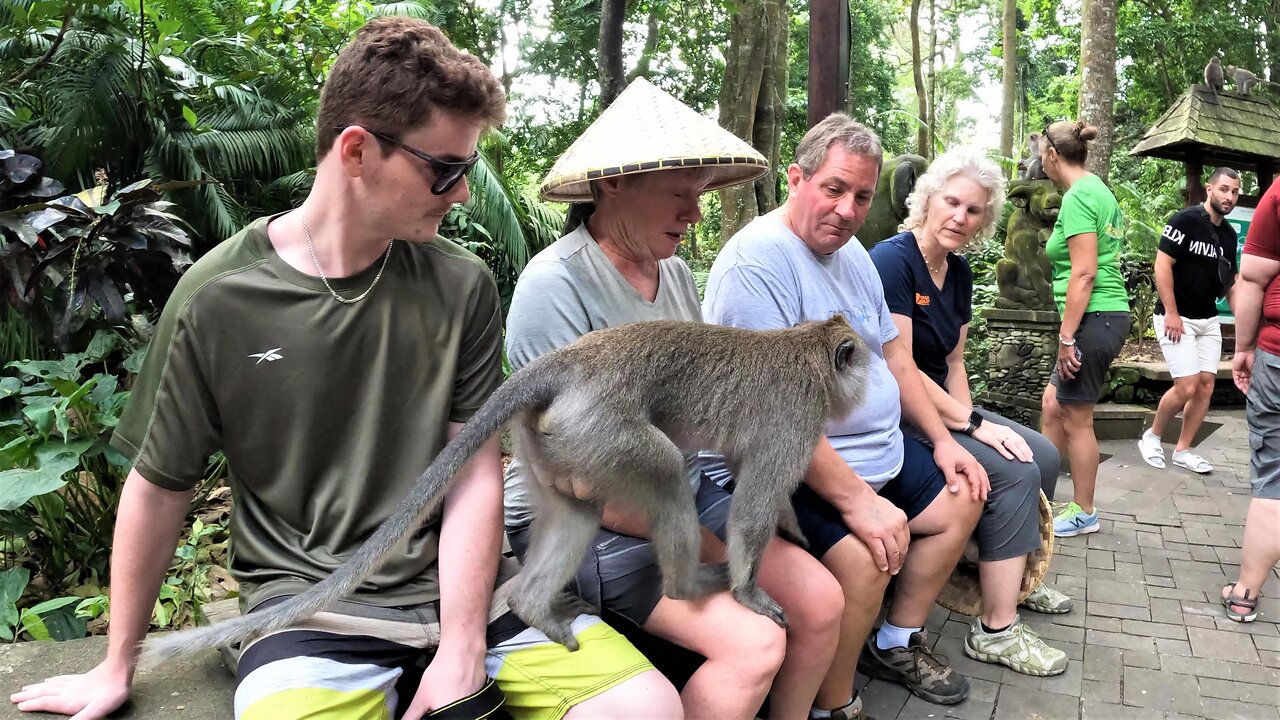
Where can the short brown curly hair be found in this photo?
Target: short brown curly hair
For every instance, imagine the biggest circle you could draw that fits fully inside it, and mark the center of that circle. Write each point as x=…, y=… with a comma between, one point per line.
x=395, y=73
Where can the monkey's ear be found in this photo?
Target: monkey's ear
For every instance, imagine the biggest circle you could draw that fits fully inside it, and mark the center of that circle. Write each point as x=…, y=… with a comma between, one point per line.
x=843, y=352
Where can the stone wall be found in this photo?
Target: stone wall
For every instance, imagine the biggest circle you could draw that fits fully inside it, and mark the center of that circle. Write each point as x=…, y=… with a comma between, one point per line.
x=1023, y=346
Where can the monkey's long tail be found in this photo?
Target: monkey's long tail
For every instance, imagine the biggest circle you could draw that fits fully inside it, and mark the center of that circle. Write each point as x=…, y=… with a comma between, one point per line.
x=526, y=389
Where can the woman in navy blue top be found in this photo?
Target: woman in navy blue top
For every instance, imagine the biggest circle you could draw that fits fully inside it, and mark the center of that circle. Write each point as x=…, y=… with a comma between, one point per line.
x=928, y=287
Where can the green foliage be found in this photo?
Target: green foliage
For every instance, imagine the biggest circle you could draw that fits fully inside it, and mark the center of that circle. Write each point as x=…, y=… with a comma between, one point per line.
x=59, y=495
x=982, y=259
x=188, y=586
x=119, y=93
x=75, y=259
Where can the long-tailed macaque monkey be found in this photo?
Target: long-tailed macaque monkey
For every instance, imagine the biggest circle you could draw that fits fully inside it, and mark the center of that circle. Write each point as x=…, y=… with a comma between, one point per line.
x=1244, y=80
x=1213, y=75
x=613, y=413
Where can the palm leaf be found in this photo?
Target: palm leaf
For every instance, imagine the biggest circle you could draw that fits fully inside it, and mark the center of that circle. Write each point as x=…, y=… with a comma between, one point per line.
x=199, y=18
x=496, y=208
x=410, y=8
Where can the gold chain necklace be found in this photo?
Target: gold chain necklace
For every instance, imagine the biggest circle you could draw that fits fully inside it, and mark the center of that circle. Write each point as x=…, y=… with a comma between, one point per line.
x=306, y=231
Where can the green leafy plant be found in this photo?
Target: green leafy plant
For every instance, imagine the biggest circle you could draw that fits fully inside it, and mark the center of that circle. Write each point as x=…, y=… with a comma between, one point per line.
x=189, y=584
x=58, y=499
x=81, y=257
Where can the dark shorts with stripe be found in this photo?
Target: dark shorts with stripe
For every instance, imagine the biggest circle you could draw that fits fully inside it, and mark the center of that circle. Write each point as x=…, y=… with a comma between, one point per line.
x=363, y=662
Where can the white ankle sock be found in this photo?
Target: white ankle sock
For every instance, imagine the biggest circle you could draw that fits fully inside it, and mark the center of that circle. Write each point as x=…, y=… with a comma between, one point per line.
x=891, y=636
x=1150, y=435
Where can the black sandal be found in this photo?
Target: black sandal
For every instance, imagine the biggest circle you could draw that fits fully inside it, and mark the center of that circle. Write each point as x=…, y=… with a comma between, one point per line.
x=480, y=704
x=1232, y=601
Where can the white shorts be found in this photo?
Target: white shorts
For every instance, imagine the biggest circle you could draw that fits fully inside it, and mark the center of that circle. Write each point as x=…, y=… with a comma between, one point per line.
x=1198, y=350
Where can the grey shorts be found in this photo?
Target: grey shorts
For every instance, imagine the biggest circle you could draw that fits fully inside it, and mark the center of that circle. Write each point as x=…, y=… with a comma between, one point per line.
x=1010, y=522
x=620, y=572
x=1098, y=342
x=1262, y=412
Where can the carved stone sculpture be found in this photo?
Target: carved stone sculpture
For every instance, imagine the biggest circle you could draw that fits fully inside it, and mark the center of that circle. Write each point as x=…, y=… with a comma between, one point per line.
x=1023, y=275
x=889, y=209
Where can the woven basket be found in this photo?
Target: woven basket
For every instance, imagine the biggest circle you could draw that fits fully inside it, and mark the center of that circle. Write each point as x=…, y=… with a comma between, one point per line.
x=646, y=129
x=962, y=593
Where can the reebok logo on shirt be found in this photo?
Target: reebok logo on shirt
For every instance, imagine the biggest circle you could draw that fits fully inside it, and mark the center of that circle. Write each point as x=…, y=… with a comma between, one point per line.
x=271, y=355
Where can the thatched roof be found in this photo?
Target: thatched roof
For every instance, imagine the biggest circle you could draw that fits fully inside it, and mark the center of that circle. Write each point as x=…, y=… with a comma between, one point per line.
x=1222, y=129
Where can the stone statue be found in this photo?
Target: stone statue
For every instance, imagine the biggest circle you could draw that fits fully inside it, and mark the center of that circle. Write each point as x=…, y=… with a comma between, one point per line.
x=889, y=209
x=1023, y=274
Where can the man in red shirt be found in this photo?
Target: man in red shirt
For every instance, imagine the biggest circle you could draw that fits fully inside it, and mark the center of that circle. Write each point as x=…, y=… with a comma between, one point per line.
x=1256, y=370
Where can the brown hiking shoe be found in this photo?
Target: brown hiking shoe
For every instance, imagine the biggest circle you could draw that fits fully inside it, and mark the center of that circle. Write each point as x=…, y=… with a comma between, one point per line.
x=922, y=671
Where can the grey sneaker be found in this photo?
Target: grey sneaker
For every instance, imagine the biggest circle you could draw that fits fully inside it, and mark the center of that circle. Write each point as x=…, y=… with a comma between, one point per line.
x=925, y=673
x=1045, y=599
x=851, y=710
x=1017, y=647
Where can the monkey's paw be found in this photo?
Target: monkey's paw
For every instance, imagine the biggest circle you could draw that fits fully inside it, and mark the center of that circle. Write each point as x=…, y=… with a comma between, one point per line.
x=708, y=579
x=789, y=528
x=553, y=619
x=759, y=601
x=713, y=577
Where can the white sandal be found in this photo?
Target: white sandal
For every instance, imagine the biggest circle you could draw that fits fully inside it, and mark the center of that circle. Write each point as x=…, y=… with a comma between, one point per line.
x=1151, y=450
x=1191, y=461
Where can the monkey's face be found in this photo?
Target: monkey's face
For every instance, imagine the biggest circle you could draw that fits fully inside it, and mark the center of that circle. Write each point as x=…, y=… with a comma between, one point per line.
x=826, y=209
x=955, y=213
x=851, y=360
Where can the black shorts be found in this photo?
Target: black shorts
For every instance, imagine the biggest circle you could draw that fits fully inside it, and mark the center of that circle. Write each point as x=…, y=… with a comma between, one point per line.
x=911, y=491
x=1098, y=342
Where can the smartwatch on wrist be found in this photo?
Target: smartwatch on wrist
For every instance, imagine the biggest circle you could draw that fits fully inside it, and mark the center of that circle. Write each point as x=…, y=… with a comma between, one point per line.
x=975, y=422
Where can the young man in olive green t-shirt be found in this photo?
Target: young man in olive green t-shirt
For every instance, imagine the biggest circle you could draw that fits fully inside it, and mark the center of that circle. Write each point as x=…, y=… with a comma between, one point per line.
x=330, y=363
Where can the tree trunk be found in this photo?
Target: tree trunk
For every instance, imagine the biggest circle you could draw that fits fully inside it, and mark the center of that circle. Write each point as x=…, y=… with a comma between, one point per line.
x=612, y=14
x=650, y=46
x=1098, y=79
x=922, y=108
x=1009, y=27
x=753, y=102
x=932, y=96
x=1273, y=40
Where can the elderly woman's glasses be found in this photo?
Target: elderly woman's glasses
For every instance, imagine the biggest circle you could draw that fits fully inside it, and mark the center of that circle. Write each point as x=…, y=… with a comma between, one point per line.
x=448, y=172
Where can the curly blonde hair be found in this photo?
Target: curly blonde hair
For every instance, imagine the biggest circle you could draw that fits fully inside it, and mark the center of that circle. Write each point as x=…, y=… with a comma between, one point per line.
x=963, y=161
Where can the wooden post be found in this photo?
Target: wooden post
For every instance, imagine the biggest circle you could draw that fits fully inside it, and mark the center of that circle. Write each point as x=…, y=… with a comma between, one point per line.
x=1267, y=168
x=1195, y=185
x=828, y=58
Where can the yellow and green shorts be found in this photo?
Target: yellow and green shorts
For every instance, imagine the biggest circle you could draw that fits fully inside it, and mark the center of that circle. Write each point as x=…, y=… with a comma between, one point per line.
x=363, y=662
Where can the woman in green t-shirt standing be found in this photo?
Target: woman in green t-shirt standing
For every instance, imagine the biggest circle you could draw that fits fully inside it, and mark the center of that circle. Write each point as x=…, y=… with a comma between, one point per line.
x=1094, y=305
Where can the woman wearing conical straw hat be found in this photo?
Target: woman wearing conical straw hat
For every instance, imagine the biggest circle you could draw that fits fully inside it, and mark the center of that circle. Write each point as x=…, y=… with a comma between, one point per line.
x=642, y=166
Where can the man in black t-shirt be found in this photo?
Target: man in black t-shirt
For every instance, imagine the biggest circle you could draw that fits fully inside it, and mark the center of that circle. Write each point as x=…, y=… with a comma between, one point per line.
x=1195, y=265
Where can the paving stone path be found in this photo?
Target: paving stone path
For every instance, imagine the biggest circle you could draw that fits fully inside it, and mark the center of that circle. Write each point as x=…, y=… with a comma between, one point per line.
x=1147, y=637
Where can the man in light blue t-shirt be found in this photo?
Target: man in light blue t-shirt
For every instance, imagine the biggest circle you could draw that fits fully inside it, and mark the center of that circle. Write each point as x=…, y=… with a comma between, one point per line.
x=869, y=488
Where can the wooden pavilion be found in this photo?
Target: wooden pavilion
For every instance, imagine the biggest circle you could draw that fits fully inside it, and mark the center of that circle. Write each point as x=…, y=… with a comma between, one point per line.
x=1203, y=128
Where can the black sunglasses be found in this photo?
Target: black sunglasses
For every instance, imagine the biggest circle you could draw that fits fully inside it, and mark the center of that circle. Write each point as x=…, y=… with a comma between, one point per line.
x=1049, y=140
x=448, y=172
